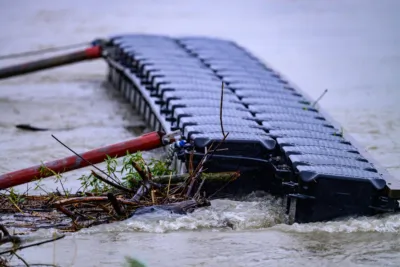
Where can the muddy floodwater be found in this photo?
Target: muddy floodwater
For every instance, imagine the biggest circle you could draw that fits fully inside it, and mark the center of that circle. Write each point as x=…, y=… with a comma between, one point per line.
x=350, y=47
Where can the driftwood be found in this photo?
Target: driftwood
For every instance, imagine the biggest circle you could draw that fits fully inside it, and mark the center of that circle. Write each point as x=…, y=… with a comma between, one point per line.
x=75, y=200
x=167, y=193
x=115, y=204
x=145, y=187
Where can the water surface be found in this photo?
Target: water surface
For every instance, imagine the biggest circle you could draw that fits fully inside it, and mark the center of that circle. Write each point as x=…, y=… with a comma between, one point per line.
x=349, y=47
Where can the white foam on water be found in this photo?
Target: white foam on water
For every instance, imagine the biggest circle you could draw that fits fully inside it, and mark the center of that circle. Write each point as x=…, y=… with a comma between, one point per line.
x=348, y=47
x=248, y=214
x=223, y=214
x=379, y=224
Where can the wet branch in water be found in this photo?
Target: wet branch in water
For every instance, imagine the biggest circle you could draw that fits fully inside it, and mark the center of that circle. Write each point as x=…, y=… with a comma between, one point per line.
x=107, y=204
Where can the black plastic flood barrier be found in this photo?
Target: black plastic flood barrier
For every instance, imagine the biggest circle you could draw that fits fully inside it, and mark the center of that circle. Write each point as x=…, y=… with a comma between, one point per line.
x=277, y=140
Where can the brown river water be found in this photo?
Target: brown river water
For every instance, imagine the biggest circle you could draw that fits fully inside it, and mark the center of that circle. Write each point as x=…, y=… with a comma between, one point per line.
x=350, y=47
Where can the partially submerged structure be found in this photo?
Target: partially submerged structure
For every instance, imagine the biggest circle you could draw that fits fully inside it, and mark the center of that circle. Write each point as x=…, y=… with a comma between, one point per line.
x=278, y=140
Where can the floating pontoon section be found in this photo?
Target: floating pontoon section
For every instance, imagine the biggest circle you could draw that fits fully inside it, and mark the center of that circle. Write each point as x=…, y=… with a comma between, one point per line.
x=277, y=140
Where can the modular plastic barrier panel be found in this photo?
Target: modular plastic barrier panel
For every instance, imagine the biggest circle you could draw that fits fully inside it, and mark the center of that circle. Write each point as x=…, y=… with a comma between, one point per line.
x=278, y=140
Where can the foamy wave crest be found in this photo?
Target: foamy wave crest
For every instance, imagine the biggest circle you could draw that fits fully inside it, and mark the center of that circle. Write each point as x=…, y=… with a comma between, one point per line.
x=379, y=224
x=250, y=213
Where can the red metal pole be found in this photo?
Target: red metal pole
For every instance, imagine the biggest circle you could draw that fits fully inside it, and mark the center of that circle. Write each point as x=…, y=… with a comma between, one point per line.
x=142, y=143
x=88, y=53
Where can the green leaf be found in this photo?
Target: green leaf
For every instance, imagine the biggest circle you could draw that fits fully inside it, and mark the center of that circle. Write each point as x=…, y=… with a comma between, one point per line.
x=131, y=262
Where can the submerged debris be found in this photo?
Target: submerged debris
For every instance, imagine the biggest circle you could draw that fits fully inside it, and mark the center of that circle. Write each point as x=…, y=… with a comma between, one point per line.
x=141, y=188
x=144, y=187
x=138, y=192
x=137, y=187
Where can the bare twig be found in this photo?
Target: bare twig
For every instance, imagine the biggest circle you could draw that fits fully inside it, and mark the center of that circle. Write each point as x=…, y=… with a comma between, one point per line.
x=319, y=98
x=220, y=109
x=211, y=150
x=85, y=159
x=31, y=245
x=198, y=189
x=120, y=187
x=196, y=175
x=150, y=176
x=140, y=171
x=15, y=205
x=169, y=184
x=153, y=197
x=191, y=162
x=21, y=259
x=200, y=166
x=63, y=188
x=207, y=152
x=76, y=200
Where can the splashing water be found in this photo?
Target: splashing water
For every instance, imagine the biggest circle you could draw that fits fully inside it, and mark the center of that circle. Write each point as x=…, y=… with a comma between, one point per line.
x=249, y=213
x=253, y=212
x=349, y=47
